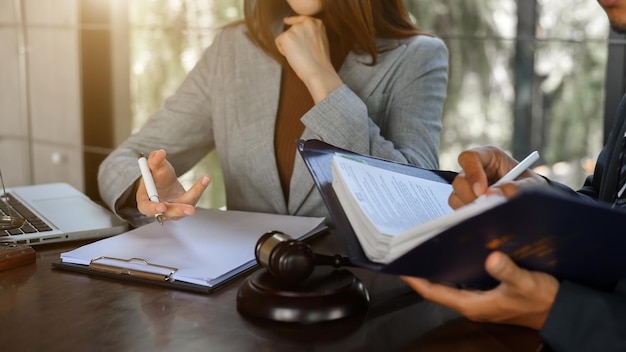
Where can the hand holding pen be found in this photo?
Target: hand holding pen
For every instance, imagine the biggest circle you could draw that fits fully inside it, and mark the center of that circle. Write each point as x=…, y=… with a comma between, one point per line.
x=161, y=194
x=148, y=181
x=489, y=169
x=515, y=172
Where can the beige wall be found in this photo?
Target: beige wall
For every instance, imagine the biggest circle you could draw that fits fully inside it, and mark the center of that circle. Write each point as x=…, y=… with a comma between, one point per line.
x=40, y=137
x=58, y=74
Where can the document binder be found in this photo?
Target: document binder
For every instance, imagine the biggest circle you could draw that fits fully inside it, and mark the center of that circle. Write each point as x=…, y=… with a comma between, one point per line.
x=544, y=230
x=200, y=253
x=318, y=157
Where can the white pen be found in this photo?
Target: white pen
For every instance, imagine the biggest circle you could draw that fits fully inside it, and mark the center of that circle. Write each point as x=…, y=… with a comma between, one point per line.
x=517, y=170
x=149, y=182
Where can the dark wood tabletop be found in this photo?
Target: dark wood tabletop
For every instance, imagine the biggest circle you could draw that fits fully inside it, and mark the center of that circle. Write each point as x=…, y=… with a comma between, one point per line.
x=45, y=309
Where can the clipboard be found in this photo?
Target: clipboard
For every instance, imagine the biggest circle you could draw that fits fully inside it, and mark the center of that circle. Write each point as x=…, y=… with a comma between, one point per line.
x=202, y=253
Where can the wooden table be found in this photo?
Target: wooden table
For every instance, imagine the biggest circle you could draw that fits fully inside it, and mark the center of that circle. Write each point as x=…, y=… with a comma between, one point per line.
x=43, y=309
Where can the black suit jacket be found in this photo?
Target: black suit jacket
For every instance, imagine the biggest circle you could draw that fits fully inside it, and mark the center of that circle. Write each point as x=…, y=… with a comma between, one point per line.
x=585, y=319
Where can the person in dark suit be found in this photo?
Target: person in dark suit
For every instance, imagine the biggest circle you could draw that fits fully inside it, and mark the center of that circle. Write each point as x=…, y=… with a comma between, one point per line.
x=569, y=317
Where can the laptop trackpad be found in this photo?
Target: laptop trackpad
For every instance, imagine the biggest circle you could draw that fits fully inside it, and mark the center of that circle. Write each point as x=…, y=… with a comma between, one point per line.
x=74, y=213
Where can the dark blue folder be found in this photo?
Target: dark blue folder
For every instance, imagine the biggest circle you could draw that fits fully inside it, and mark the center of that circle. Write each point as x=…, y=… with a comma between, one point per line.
x=545, y=230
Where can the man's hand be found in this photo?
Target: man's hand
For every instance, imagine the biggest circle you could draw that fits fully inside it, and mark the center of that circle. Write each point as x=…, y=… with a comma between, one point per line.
x=483, y=167
x=522, y=298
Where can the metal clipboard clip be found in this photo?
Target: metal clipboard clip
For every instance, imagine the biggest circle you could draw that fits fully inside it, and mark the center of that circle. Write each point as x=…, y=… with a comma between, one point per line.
x=134, y=267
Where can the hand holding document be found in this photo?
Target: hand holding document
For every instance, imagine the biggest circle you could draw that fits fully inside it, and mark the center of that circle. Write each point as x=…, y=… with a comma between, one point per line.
x=541, y=229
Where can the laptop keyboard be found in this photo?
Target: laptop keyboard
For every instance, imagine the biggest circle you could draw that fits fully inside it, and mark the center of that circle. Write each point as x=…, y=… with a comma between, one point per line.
x=9, y=205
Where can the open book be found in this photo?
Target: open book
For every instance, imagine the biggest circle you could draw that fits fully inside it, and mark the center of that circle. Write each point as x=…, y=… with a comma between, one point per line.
x=391, y=212
x=569, y=237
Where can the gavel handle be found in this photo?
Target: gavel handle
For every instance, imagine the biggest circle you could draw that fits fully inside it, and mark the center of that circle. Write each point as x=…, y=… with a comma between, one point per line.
x=336, y=260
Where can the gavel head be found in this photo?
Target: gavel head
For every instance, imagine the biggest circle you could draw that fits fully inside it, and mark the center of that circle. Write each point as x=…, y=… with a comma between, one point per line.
x=287, y=259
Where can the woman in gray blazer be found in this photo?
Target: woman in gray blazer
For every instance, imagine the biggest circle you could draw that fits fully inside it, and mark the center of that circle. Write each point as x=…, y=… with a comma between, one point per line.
x=355, y=74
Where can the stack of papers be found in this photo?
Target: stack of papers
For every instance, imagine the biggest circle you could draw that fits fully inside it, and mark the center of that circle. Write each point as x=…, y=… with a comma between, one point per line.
x=391, y=212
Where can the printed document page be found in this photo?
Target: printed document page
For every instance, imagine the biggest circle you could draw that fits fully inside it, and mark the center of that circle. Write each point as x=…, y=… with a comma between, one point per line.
x=392, y=201
x=391, y=212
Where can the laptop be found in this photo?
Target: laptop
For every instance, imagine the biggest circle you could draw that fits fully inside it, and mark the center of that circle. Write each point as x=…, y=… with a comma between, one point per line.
x=56, y=212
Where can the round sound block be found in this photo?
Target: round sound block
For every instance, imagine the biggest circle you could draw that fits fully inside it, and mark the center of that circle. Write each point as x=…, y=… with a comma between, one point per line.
x=328, y=294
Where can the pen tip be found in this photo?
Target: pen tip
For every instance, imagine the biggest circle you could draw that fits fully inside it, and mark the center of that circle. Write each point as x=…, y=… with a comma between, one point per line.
x=160, y=219
x=140, y=155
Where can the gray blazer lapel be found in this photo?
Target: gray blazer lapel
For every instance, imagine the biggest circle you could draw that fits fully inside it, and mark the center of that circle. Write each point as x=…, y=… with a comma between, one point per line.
x=301, y=181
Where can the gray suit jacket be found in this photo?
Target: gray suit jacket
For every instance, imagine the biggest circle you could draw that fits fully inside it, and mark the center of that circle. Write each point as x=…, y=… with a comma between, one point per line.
x=229, y=101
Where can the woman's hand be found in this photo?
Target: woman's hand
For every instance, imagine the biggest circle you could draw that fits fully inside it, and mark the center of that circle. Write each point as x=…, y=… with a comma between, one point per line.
x=175, y=203
x=522, y=298
x=305, y=46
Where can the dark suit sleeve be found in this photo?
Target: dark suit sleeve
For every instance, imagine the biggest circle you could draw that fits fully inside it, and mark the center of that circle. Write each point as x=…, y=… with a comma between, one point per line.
x=590, y=190
x=587, y=192
x=583, y=319
x=591, y=187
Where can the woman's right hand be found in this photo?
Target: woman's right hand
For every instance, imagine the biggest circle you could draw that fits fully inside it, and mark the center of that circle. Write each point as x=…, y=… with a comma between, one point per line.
x=175, y=203
x=305, y=46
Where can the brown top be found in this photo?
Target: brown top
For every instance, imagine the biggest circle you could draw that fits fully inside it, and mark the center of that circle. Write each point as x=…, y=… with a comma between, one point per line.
x=295, y=100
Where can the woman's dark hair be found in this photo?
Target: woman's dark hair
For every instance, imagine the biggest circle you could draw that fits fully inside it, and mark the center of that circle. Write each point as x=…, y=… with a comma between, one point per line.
x=356, y=22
